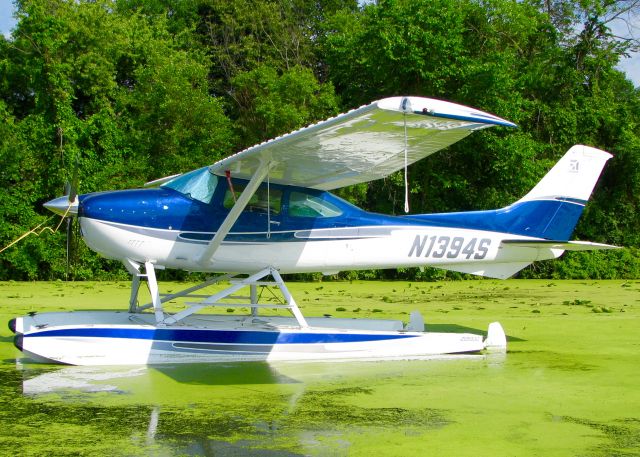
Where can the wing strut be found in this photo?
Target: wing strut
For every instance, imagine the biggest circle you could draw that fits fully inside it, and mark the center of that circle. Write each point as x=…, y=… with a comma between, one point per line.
x=234, y=213
x=405, y=102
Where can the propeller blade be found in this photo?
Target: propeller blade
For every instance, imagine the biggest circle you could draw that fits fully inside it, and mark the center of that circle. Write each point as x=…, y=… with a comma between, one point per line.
x=69, y=233
x=73, y=193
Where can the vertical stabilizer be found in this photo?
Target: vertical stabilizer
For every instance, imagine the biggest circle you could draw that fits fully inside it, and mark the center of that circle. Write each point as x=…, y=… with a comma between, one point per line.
x=552, y=208
x=573, y=177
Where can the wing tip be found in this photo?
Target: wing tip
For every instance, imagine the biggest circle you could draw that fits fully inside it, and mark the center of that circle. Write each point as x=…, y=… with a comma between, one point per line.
x=441, y=108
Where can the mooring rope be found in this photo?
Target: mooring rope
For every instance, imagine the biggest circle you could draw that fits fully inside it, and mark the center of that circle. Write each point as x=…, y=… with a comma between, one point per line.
x=37, y=231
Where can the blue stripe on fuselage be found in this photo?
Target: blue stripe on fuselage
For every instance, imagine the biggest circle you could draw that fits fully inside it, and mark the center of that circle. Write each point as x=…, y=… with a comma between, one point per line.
x=170, y=210
x=166, y=209
x=551, y=219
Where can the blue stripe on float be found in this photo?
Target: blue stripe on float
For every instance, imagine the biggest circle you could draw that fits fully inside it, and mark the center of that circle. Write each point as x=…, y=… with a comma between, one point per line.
x=216, y=336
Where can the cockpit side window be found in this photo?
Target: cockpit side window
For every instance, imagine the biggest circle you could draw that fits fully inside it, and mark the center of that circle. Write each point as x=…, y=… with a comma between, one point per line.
x=306, y=205
x=260, y=201
x=199, y=184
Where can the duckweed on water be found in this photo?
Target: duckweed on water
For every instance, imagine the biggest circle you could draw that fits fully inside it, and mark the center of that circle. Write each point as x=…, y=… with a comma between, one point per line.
x=567, y=386
x=327, y=409
x=623, y=435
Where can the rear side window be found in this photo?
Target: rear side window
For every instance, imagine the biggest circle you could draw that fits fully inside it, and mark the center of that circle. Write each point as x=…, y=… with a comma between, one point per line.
x=307, y=205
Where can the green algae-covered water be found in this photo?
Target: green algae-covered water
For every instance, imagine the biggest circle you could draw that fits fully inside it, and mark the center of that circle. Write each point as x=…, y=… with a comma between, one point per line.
x=569, y=384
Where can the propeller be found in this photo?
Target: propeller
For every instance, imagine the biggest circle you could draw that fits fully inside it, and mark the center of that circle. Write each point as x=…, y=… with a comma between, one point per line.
x=67, y=207
x=71, y=191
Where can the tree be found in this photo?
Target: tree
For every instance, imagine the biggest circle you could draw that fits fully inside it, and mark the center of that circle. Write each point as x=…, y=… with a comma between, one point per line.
x=112, y=96
x=553, y=74
x=126, y=91
x=270, y=104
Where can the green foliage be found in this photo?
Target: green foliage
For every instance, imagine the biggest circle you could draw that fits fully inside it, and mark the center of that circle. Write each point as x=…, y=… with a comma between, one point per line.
x=517, y=60
x=271, y=104
x=130, y=90
x=616, y=264
x=112, y=96
x=395, y=47
x=170, y=112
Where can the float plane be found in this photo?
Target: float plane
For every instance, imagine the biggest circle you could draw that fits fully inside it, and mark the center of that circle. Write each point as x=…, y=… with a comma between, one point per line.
x=267, y=211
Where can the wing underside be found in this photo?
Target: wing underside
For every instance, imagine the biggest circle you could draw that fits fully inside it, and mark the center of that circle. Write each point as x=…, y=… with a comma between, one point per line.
x=362, y=145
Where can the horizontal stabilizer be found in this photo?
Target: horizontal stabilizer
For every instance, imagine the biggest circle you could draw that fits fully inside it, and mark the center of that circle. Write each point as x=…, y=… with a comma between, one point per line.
x=564, y=245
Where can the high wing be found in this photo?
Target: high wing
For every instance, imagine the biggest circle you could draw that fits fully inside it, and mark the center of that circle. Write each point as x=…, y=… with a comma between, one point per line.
x=364, y=144
x=361, y=145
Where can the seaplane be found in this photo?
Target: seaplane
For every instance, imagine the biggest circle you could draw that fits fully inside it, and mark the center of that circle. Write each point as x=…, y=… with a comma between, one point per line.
x=268, y=211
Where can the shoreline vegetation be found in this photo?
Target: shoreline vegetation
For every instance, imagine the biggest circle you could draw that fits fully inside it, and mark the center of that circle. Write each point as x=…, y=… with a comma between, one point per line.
x=110, y=94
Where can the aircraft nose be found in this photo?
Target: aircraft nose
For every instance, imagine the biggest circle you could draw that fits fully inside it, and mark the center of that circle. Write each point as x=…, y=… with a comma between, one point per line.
x=63, y=206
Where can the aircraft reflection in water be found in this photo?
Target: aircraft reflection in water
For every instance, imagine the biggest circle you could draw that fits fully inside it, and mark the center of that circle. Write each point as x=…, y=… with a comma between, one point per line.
x=267, y=210
x=267, y=402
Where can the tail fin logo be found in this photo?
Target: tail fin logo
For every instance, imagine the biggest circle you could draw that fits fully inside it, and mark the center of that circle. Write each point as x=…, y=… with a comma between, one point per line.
x=574, y=166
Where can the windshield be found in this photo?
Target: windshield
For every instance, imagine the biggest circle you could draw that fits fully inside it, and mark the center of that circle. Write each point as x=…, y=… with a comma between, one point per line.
x=198, y=184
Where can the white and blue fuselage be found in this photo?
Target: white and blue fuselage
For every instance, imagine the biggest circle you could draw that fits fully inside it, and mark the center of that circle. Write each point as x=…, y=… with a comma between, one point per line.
x=305, y=230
